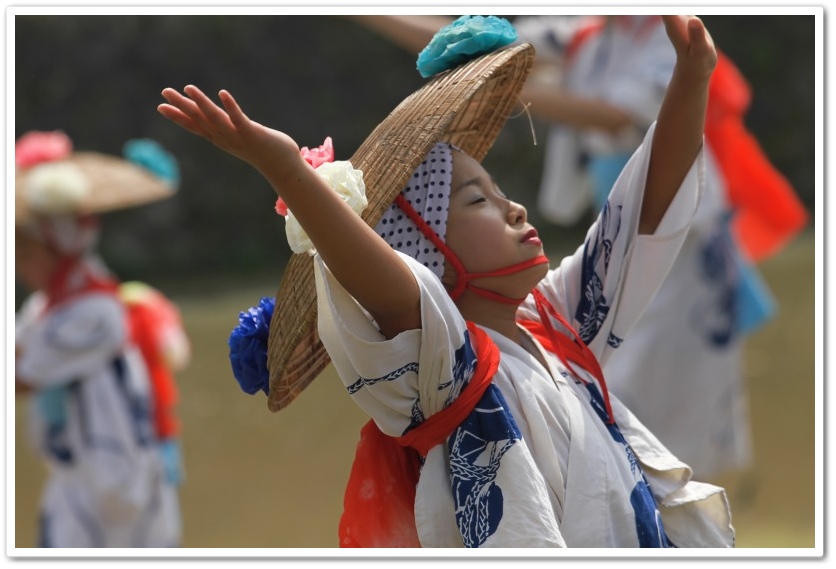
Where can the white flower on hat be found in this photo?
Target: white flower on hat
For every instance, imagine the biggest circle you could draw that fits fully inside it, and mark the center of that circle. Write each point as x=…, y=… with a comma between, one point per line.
x=343, y=179
x=56, y=187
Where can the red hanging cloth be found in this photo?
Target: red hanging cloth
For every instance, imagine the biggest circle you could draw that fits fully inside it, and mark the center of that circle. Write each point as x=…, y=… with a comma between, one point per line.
x=768, y=213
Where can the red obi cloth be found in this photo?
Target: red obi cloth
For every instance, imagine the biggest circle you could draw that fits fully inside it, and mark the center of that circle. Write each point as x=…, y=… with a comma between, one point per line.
x=380, y=495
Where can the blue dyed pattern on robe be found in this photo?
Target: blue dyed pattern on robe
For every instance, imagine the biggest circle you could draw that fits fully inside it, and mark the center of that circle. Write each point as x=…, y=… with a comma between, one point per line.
x=593, y=306
x=476, y=449
x=649, y=528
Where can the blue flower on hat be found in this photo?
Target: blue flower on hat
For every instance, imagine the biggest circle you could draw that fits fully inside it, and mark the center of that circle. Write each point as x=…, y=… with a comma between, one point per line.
x=150, y=155
x=462, y=40
x=248, y=347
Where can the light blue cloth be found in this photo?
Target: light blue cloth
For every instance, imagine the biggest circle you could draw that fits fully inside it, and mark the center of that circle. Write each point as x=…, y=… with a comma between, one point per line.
x=51, y=405
x=172, y=459
x=603, y=172
x=755, y=303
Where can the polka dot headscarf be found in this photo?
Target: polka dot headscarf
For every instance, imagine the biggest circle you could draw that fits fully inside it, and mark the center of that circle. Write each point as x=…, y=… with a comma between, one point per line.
x=428, y=192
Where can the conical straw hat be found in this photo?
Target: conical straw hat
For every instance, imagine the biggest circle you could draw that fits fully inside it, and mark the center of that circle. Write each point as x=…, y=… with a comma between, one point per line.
x=110, y=183
x=467, y=106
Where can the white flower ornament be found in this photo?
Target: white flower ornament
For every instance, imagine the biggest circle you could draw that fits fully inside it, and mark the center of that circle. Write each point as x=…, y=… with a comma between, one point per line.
x=56, y=187
x=343, y=179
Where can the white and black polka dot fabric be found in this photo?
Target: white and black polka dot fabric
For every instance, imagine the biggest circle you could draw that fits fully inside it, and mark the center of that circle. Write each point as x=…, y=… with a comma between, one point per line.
x=428, y=192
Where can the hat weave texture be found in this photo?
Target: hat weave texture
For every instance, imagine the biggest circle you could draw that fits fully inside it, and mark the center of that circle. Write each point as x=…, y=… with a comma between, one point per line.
x=467, y=106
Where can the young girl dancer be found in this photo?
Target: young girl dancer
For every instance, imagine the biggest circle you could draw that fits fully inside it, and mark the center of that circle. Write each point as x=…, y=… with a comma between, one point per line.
x=479, y=366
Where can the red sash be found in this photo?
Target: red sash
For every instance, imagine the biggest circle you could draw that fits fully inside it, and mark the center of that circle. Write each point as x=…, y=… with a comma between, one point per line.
x=380, y=494
x=144, y=328
x=768, y=213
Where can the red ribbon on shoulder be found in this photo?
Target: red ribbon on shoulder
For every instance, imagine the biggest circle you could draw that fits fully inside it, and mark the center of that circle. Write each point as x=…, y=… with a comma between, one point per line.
x=568, y=350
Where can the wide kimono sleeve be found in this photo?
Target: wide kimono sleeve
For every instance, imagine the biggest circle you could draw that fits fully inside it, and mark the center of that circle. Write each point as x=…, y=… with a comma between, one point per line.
x=401, y=381
x=605, y=286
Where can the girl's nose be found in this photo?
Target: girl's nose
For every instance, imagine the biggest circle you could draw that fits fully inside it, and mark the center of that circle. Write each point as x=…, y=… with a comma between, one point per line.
x=517, y=213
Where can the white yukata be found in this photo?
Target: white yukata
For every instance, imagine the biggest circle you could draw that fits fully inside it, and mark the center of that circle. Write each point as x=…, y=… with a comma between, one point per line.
x=534, y=464
x=91, y=422
x=692, y=392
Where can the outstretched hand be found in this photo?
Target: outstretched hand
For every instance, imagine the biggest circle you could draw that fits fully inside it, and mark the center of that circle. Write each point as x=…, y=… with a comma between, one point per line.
x=693, y=44
x=230, y=129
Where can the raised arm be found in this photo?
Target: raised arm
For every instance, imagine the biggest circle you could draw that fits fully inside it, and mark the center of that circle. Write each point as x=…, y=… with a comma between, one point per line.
x=363, y=263
x=411, y=33
x=681, y=122
x=555, y=104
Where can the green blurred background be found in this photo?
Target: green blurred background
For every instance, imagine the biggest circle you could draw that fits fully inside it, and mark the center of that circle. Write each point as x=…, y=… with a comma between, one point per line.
x=99, y=78
x=257, y=479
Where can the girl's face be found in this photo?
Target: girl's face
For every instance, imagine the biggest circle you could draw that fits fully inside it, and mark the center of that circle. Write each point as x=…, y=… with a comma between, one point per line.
x=487, y=231
x=34, y=261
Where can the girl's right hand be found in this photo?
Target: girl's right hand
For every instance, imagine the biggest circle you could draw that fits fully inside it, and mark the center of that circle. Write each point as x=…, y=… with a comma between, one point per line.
x=271, y=152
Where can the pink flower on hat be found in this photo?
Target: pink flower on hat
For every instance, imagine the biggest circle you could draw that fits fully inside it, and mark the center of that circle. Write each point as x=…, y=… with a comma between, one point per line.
x=38, y=146
x=315, y=157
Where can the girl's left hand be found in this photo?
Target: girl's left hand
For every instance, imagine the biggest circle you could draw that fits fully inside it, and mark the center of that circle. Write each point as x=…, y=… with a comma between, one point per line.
x=693, y=44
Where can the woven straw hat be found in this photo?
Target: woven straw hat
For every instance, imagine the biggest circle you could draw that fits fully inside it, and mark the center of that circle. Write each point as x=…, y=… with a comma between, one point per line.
x=467, y=106
x=110, y=183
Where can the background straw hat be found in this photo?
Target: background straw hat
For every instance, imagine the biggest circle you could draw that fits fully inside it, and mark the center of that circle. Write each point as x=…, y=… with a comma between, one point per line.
x=111, y=183
x=467, y=106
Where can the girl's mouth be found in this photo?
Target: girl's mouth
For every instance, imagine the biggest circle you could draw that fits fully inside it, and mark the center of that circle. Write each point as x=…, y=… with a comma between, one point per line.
x=530, y=238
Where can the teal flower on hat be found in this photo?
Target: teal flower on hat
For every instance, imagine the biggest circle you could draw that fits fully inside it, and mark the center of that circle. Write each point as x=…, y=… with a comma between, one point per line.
x=150, y=155
x=462, y=40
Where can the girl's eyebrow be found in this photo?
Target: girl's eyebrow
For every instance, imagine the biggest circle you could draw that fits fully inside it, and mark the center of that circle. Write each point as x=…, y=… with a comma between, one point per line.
x=477, y=181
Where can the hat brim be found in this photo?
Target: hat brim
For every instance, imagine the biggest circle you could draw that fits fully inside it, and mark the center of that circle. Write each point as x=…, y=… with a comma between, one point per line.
x=467, y=106
x=114, y=183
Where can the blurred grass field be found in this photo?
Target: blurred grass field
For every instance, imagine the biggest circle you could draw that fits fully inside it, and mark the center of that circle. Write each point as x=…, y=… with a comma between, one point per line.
x=256, y=479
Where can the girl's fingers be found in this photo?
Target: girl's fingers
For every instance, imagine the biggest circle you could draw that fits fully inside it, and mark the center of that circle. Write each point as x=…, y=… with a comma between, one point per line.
x=177, y=116
x=211, y=112
x=184, y=104
x=676, y=28
x=236, y=115
x=698, y=35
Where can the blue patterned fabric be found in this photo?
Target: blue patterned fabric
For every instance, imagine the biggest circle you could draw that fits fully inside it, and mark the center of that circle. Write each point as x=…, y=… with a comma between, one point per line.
x=742, y=301
x=476, y=449
x=649, y=528
x=593, y=307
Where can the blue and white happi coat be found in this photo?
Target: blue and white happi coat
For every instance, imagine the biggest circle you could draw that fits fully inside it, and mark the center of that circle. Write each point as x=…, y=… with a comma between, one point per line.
x=91, y=422
x=535, y=464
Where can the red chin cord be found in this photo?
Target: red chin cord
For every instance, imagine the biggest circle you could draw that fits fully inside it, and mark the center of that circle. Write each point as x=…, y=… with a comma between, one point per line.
x=561, y=344
x=463, y=278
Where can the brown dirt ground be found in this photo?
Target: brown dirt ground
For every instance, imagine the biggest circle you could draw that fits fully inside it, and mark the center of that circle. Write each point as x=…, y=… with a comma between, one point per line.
x=257, y=479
